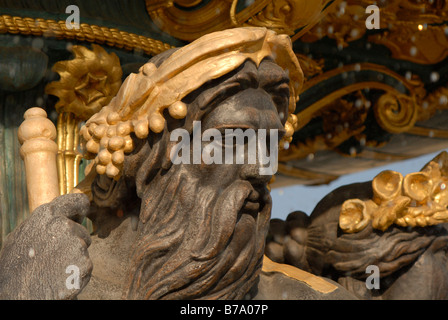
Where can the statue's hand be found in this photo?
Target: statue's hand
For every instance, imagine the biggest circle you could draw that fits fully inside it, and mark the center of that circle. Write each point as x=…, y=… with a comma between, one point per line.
x=46, y=256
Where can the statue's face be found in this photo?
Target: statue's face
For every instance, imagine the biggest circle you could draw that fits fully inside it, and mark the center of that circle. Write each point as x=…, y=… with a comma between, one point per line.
x=252, y=98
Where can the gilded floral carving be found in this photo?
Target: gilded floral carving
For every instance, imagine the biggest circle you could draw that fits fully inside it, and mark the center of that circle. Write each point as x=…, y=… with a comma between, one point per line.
x=417, y=200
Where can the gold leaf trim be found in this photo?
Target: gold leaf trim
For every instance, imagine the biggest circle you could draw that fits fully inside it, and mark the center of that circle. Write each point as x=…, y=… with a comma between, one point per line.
x=311, y=280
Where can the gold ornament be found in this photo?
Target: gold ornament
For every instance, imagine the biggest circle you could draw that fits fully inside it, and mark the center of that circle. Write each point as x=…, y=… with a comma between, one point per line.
x=413, y=30
x=180, y=19
x=396, y=113
x=419, y=199
x=90, y=33
x=87, y=83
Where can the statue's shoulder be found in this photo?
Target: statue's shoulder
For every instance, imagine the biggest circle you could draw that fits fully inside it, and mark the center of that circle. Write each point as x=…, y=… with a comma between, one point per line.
x=286, y=282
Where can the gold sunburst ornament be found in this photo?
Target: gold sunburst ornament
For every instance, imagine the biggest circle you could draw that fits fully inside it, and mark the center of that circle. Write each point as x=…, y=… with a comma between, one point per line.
x=87, y=83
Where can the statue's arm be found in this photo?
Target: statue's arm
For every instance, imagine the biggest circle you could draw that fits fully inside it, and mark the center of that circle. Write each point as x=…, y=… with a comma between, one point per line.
x=46, y=256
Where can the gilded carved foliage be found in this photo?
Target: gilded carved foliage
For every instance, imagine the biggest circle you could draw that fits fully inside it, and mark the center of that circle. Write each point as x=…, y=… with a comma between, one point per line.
x=87, y=83
x=436, y=100
x=345, y=24
x=417, y=200
x=310, y=67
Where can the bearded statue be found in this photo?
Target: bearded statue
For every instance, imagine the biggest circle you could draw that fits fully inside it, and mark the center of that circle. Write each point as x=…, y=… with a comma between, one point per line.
x=165, y=230
x=385, y=239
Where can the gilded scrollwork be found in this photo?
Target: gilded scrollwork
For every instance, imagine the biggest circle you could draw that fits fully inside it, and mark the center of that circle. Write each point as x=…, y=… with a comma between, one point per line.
x=286, y=16
x=413, y=31
x=188, y=20
x=424, y=44
x=310, y=67
x=344, y=111
x=345, y=24
x=417, y=200
x=396, y=113
x=341, y=120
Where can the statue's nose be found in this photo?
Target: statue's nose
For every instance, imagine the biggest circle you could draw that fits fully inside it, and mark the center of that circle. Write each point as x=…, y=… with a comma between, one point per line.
x=251, y=173
x=266, y=161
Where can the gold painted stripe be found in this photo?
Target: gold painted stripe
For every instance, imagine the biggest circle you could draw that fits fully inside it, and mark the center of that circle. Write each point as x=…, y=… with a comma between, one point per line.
x=294, y=172
x=377, y=155
x=311, y=280
x=428, y=132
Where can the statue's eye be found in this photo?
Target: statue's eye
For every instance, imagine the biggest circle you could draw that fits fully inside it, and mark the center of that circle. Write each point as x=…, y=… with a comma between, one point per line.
x=279, y=90
x=232, y=136
x=280, y=95
x=225, y=91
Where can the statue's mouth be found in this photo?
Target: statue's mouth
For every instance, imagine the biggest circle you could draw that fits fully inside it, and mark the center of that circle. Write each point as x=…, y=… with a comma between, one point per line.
x=256, y=201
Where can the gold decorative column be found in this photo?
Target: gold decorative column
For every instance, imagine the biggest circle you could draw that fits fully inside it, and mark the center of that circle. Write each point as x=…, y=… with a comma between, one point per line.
x=37, y=134
x=87, y=83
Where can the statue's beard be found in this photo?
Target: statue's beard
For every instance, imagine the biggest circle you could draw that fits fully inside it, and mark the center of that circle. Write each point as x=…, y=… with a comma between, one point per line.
x=198, y=242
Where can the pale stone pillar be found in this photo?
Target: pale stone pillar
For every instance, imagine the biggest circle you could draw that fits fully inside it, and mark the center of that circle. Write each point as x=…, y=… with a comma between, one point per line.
x=37, y=134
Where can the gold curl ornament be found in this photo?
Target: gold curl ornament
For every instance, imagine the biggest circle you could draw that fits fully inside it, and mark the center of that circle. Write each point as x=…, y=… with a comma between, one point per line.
x=139, y=105
x=419, y=199
x=396, y=113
